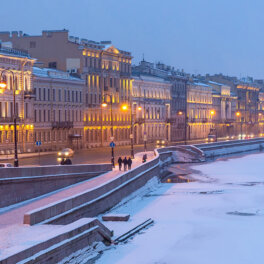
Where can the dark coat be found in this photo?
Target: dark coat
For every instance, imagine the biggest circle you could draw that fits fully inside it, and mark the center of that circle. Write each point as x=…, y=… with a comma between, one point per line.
x=120, y=161
x=129, y=162
x=125, y=161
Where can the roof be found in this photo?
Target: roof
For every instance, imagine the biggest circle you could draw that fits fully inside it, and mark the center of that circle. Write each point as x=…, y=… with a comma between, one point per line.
x=220, y=84
x=150, y=78
x=14, y=53
x=201, y=84
x=53, y=73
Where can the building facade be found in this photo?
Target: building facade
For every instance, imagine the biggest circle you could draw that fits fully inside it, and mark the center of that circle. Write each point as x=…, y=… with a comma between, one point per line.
x=151, y=109
x=105, y=69
x=58, y=109
x=178, y=80
x=16, y=71
x=199, y=110
x=224, y=106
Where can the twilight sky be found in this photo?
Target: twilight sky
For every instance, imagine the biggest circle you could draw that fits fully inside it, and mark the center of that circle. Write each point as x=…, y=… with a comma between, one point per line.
x=199, y=36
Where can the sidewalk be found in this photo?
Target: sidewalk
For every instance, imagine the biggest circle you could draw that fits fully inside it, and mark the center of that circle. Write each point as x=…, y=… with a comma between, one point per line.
x=15, y=234
x=14, y=214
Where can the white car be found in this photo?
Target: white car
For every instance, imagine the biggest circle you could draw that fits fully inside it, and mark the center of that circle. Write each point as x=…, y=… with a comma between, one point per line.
x=6, y=165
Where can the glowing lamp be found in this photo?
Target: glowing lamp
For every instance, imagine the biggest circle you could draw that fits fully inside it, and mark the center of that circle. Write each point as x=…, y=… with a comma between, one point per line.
x=124, y=107
x=3, y=84
x=139, y=108
x=104, y=104
x=212, y=112
x=237, y=113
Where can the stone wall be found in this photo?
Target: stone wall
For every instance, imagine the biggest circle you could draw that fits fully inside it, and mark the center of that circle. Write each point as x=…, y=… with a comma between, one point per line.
x=20, y=184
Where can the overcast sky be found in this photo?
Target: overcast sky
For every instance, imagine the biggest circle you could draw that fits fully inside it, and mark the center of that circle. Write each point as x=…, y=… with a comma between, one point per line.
x=199, y=36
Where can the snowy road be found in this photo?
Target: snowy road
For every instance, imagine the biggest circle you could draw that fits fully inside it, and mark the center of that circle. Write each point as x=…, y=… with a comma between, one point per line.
x=217, y=219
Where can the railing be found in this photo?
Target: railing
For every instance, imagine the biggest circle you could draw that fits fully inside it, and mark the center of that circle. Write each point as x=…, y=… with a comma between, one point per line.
x=10, y=119
x=170, y=120
x=29, y=94
x=14, y=51
x=65, y=124
x=140, y=120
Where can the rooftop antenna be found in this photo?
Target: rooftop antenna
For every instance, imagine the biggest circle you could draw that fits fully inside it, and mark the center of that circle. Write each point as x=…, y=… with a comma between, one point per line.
x=143, y=57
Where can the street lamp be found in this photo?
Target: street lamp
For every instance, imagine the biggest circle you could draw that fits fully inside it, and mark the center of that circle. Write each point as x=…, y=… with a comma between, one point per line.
x=3, y=85
x=238, y=114
x=104, y=104
x=125, y=108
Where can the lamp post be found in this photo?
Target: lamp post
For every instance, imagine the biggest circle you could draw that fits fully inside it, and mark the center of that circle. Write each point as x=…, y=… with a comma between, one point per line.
x=238, y=114
x=104, y=104
x=125, y=108
x=3, y=85
x=180, y=113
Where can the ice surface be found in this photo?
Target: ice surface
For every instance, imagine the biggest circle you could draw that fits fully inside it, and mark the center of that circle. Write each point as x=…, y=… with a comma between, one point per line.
x=217, y=219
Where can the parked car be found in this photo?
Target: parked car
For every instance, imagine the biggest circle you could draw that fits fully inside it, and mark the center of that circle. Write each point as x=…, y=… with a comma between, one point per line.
x=6, y=165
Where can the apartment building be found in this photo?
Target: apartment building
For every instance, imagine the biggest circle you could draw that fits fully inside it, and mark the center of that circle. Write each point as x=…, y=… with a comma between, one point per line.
x=16, y=72
x=151, y=108
x=58, y=109
x=105, y=69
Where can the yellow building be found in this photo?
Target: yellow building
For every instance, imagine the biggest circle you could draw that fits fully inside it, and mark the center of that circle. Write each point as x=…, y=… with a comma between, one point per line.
x=199, y=110
x=16, y=73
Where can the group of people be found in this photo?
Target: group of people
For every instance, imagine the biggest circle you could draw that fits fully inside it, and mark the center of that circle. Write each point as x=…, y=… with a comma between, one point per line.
x=127, y=163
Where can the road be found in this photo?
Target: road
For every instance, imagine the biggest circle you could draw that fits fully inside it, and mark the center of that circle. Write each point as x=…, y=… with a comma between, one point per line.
x=88, y=156
x=84, y=156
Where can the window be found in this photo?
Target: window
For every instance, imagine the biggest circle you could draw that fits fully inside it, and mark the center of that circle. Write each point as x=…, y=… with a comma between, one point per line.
x=32, y=44
x=54, y=94
x=39, y=95
x=39, y=115
x=60, y=95
x=26, y=110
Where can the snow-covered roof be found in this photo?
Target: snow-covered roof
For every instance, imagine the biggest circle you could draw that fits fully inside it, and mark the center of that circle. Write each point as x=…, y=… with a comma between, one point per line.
x=216, y=83
x=53, y=73
x=201, y=84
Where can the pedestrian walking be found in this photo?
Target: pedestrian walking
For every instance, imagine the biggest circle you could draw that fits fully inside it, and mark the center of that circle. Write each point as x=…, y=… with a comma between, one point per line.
x=125, y=163
x=120, y=161
x=129, y=163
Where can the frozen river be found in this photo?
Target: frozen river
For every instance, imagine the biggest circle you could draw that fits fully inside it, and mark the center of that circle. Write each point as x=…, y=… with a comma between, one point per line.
x=217, y=219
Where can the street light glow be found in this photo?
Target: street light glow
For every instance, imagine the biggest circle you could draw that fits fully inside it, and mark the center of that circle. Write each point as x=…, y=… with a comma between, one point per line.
x=3, y=84
x=104, y=104
x=237, y=113
x=124, y=107
x=180, y=113
x=139, y=108
x=212, y=112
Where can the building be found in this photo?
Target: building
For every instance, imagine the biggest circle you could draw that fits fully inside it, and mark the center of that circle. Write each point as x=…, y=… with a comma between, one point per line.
x=248, y=106
x=58, y=109
x=224, y=106
x=105, y=69
x=199, y=110
x=151, y=108
x=16, y=71
x=178, y=80
x=247, y=92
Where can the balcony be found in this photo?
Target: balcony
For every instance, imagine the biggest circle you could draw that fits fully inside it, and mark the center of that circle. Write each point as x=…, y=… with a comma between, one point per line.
x=139, y=120
x=63, y=125
x=170, y=120
x=7, y=120
x=29, y=94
